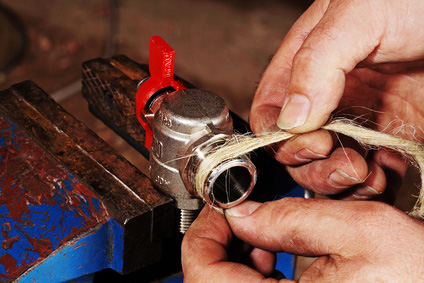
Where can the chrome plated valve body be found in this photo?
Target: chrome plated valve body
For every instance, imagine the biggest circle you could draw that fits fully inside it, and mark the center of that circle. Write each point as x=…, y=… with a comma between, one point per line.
x=188, y=125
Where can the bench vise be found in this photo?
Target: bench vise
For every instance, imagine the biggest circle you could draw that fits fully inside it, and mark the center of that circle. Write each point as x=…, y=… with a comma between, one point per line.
x=71, y=206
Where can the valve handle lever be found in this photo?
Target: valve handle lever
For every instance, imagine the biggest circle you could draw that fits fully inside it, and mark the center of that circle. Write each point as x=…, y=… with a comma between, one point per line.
x=161, y=60
x=161, y=67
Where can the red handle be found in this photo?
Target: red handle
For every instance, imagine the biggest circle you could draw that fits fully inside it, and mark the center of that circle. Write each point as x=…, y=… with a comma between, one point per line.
x=161, y=67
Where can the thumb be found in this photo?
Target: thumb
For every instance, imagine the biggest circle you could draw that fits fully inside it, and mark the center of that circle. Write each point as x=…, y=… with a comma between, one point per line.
x=309, y=227
x=346, y=35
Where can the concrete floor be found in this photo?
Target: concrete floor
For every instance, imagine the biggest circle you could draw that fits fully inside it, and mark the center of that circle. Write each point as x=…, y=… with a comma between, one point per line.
x=221, y=46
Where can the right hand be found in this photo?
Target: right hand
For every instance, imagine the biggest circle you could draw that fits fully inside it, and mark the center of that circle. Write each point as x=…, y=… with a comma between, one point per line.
x=362, y=59
x=355, y=242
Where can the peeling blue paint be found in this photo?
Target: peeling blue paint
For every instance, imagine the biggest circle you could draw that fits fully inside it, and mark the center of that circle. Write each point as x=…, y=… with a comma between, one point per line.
x=85, y=256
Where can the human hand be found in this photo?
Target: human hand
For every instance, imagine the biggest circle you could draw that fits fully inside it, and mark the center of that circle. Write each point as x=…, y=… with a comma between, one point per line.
x=355, y=242
x=353, y=58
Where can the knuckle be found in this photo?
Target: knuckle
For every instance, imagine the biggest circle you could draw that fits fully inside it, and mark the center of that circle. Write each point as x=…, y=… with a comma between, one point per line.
x=305, y=57
x=283, y=153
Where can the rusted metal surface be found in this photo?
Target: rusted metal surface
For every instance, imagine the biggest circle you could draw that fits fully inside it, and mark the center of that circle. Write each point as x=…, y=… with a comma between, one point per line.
x=33, y=185
x=110, y=86
x=48, y=149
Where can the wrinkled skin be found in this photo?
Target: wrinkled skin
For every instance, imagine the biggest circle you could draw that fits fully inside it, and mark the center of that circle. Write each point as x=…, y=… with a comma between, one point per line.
x=347, y=57
x=377, y=45
x=356, y=241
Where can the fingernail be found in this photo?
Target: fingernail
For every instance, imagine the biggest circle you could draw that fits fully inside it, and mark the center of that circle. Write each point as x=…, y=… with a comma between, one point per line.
x=340, y=179
x=306, y=154
x=366, y=191
x=295, y=111
x=244, y=209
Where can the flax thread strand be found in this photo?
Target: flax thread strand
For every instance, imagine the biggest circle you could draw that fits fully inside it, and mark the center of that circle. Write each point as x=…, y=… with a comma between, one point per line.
x=366, y=137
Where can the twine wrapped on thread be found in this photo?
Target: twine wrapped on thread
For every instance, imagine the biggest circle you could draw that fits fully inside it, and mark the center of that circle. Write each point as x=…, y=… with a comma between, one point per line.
x=366, y=137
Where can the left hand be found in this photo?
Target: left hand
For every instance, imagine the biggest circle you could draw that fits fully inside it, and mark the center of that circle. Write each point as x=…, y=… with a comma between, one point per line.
x=363, y=241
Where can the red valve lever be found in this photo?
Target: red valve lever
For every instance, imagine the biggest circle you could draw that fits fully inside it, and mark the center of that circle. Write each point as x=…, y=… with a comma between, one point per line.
x=161, y=67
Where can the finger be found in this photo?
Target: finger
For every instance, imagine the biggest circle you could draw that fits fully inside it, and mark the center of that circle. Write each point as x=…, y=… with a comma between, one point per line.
x=343, y=169
x=334, y=47
x=262, y=261
x=272, y=89
x=394, y=167
x=204, y=252
x=304, y=148
x=309, y=227
x=323, y=269
x=205, y=243
x=374, y=185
